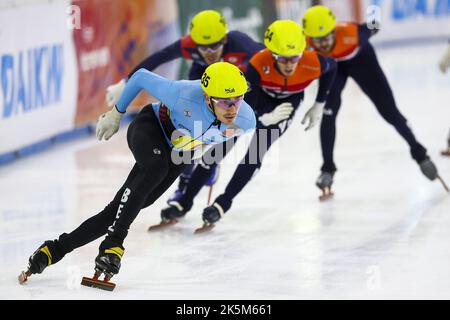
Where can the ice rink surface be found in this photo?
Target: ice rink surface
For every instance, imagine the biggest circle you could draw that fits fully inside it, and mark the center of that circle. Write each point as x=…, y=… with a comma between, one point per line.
x=384, y=235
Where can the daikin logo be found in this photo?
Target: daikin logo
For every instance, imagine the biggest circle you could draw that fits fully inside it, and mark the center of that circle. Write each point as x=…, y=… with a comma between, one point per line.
x=31, y=79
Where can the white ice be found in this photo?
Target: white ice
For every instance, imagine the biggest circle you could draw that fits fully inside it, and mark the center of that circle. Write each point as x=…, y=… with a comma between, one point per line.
x=384, y=235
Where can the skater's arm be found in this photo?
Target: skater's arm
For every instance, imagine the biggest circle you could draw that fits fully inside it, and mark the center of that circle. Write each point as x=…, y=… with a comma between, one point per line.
x=328, y=67
x=159, y=87
x=114, y=91
x=327, y=74
x=253, y=80
x=167, y=54
x=246, y=43
x=365, y=32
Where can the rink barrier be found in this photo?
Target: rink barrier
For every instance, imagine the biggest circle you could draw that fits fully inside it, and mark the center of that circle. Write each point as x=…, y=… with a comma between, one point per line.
x=77, y=133
x=418, y=41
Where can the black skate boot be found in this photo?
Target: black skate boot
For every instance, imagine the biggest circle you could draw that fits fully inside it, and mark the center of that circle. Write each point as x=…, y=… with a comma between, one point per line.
x=108, y=263
x=171, y=214
x=430, y=171
x=428, y=168
x=50, y=252
x=324, y=182
x=214, y=212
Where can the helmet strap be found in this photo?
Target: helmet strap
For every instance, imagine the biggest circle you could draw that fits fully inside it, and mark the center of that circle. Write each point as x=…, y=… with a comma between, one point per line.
x=213, y=110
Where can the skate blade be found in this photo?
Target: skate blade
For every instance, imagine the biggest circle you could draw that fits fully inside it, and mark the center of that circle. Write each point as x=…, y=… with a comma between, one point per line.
x=445, y=153
x=206, y=227
x=443, y=183
x=23, y=276
x=162, y=225
x=96, y=283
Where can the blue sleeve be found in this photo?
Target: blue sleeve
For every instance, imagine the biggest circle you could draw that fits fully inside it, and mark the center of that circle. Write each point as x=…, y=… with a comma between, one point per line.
x=364, y=34
x=165, y=90
x=328, y=68
x=158, y=58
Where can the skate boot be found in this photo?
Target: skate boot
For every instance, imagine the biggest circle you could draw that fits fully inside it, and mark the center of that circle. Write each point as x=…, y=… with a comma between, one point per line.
x=214, y=212
x=428, y=168
x=50, y=252
x=430, y=171
x=324, y=182
x=170, y=215
x=108, y=263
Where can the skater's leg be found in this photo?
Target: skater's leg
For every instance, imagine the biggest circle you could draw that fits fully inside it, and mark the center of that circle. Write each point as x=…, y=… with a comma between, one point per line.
x=183, y=182
x=96, y=226
x=328, y=124
x=200, y=176
x=150, y=169
x=153, y=157
x=371, y=79
x=261, y=142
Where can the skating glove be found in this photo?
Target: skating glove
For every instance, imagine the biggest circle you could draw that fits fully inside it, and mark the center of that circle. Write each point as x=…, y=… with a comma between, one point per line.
x=444, y=64
x=212, y=213
x=314, y=115
x=108, y=124
x=114, y=91
x=280, y=113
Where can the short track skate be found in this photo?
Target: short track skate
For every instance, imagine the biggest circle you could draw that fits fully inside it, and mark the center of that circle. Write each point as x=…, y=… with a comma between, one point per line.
x=95, y=282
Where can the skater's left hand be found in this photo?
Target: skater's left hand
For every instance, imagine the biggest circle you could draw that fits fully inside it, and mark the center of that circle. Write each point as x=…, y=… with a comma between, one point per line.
x=314, y=115
x=108, y=124
x=212, y=214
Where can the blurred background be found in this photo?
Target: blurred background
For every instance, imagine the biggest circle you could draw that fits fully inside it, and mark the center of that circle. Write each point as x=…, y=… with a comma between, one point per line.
x=57, y=68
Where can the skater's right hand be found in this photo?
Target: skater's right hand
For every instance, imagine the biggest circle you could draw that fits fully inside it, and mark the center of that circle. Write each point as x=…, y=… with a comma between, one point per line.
x=113, y=92
x=280, y=113
x=313, y=115
x=108, y=124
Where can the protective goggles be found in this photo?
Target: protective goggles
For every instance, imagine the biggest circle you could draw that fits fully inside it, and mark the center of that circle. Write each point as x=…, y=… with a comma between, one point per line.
x=226, y=103
x=286, y=59
x=210, y=47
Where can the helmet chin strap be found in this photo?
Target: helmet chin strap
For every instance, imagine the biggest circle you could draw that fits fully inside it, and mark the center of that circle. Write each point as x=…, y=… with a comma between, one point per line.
x=213, y=110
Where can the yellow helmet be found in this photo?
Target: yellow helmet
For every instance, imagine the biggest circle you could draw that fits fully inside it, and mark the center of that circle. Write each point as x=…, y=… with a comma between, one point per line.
x=285, y=38
x=223, y=80
x=318, y=21
x=207, y=27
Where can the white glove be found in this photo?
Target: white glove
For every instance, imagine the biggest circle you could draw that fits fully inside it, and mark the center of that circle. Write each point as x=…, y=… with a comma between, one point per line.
x=280, y=113
x=444, y=64
x=113, y=92
x=314, y=115
x=108, y=124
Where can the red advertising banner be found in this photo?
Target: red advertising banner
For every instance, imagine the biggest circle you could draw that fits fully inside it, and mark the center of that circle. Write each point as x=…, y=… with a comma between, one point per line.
x=113, y=37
